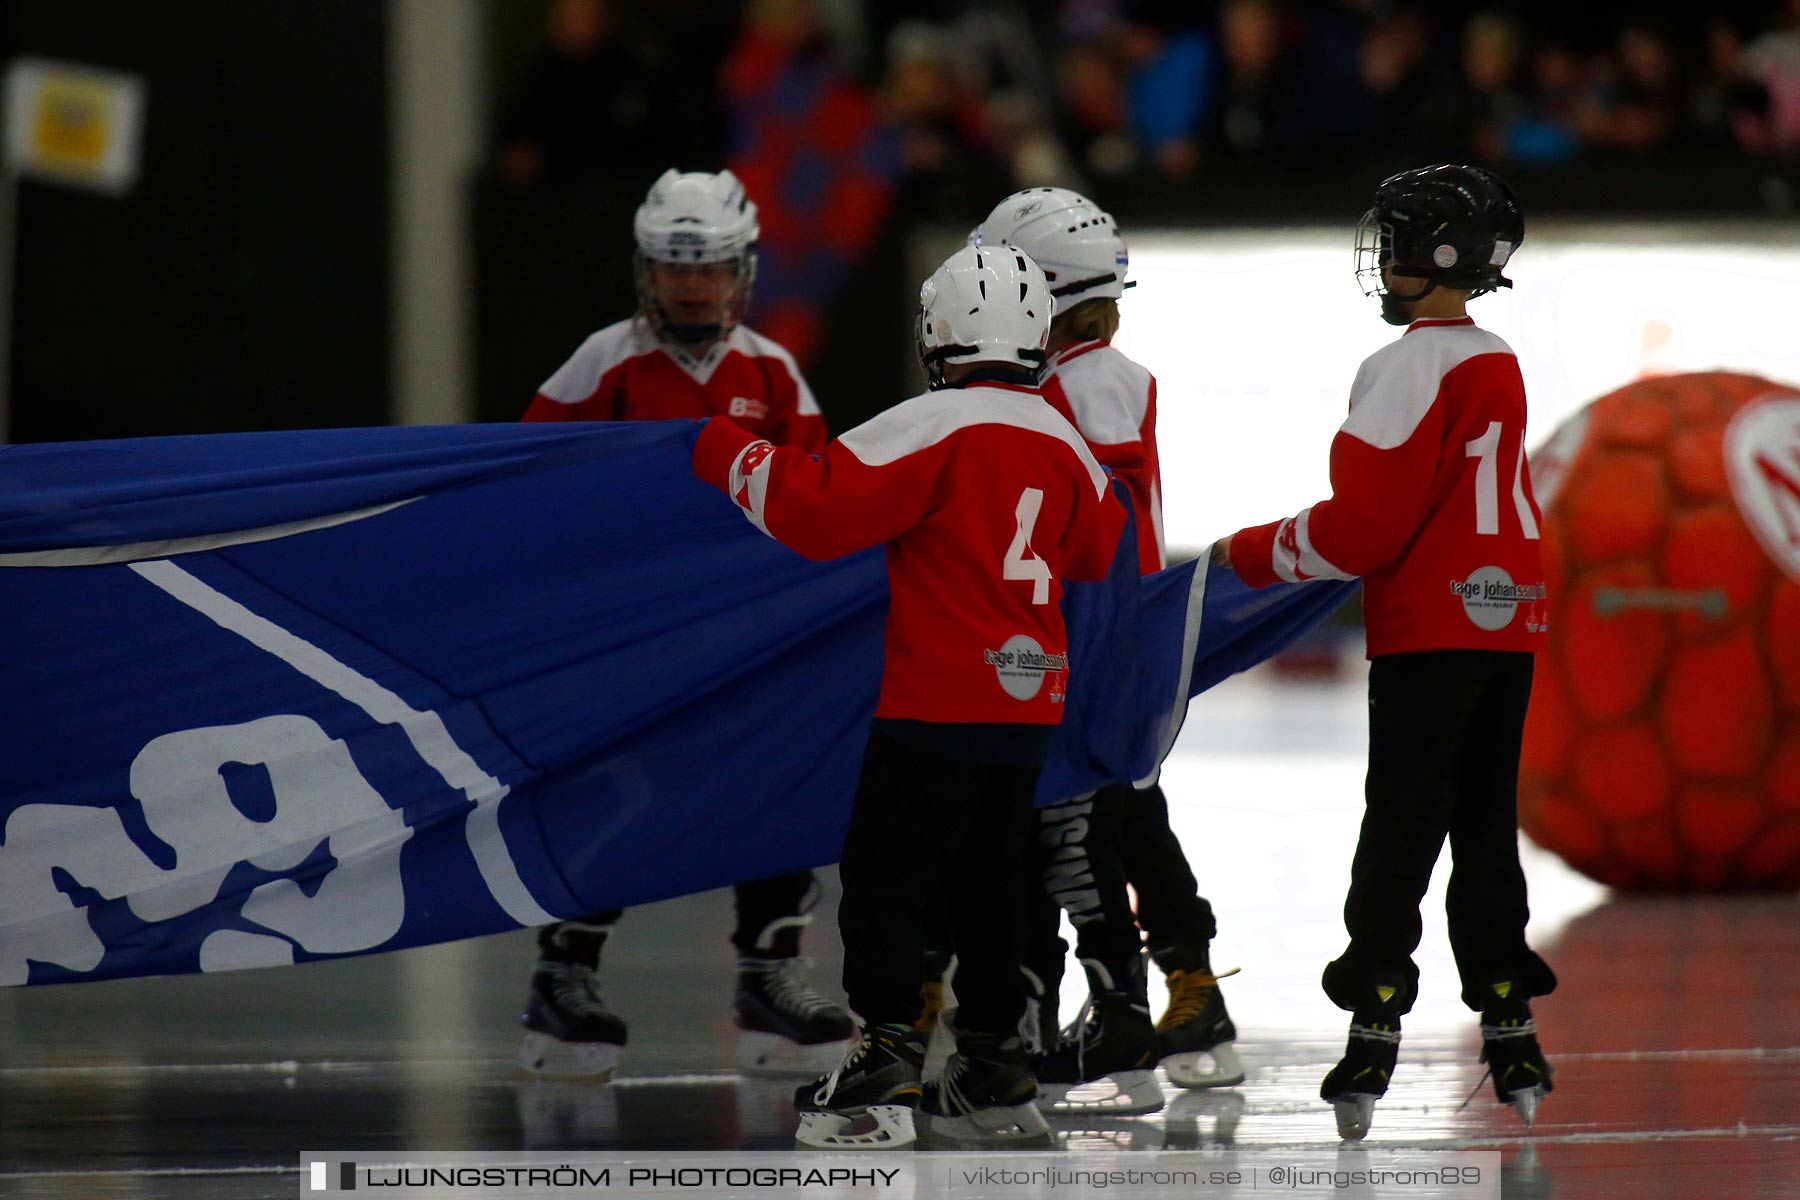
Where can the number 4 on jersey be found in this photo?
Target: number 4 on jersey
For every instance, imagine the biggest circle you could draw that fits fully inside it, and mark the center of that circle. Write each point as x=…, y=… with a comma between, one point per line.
x=1020, y=562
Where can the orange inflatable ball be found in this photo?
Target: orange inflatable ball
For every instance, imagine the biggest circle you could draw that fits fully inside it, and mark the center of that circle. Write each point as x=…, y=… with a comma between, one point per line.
x=1662, y=751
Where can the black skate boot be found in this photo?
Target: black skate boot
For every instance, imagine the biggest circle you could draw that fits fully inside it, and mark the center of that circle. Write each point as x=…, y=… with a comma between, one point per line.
x=568, y=1029
x=1195, y=1034
x=874, y=1088
x=985, y=1094
x=1376, y=1002
x=1106, y=1062
x=1509, y=1047
x=788, y=1028
x=1361, y=1077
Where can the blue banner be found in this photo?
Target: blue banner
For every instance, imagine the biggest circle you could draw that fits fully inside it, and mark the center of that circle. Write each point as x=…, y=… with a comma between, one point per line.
x=287, y=696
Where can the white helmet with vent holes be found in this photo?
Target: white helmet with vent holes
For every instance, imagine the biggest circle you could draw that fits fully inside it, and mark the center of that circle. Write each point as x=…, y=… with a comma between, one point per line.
x=696, y=216
x=1073, y=239
x=984, y=304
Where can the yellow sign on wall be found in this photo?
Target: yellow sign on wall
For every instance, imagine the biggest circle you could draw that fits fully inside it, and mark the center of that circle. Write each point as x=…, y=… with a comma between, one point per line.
x=73, y=124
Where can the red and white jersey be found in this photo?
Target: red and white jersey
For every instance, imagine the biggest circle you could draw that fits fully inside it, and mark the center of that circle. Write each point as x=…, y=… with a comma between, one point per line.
x=625, y=373
x=1431, y=500
x=1112, y=402
x=987, y=500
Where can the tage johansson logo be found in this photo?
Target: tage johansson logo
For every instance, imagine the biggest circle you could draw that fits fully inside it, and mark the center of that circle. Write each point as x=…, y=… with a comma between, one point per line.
x=1021, y=665
x=1490, y=599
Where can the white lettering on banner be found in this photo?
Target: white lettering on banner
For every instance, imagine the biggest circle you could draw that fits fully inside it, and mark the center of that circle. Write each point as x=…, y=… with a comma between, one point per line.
x=42, y=923
x=425, y=730
x=320, y=796
x=317, y=797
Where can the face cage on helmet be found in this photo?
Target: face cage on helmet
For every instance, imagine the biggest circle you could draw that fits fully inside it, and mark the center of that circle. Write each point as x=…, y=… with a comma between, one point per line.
x=696, y=337
x=1375, y=250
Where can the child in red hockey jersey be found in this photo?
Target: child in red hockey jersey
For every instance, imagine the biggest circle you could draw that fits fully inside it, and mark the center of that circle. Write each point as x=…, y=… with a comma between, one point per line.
x=686, y=354
x=1092, y=846
x=986, y=500
x=1432, y=508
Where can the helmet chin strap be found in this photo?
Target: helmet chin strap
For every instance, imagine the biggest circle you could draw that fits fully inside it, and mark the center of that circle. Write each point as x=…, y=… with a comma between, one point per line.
x=1391, y=302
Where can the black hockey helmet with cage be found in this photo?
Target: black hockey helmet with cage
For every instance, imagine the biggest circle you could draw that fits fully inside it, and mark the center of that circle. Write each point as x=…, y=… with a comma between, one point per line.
x=1455, y=226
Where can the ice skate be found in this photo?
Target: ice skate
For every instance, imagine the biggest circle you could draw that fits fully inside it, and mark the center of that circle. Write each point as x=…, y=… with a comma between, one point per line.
x=1196, y=1035
x=787, y=1027
x=1509, y=1047
x=569, y=1032
x=1106, y=1061
x=1361, y=1078
x=985, y=1095
x=867, y=1102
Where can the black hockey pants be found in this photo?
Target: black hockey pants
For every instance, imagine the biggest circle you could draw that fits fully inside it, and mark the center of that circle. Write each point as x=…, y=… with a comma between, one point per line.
x=1444, y=733
x=932, y=835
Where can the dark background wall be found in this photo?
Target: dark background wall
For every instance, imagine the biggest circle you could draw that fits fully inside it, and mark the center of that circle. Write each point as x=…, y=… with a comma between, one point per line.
x=244, y=282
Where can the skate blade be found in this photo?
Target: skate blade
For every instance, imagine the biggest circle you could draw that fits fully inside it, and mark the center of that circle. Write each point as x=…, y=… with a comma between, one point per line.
x=1525, y=1103
x=1194, y=1070
x=771, y=1054
x=1122, y=1093
x=544, y=1056
x=881, y=1127
x=1017, y=1125
x=1355, y=1113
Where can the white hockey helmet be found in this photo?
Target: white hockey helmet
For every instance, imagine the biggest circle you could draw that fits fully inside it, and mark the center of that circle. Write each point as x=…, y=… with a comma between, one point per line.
x=984, y=304
x=690, y=218
x=1073, y=239
x=696, y=216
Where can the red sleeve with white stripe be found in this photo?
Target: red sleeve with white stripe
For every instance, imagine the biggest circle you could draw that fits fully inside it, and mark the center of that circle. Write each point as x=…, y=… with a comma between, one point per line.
x=1383, y=462
x=823, y=506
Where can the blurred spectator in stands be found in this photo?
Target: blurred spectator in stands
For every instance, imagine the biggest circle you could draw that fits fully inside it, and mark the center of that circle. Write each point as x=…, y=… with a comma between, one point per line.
x=1490, y=102
x=1545, y=128
x=810, y=145
x=948, y=161
x=1256, y=114
x=1774, y=57
x=1094, y=109
x=585, y=106
x=1396, y=76
x=1171, y=67
x=1333, y=103
x=1642, y=103
x=1729, y=105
